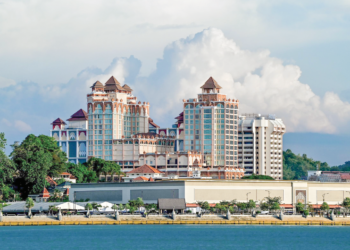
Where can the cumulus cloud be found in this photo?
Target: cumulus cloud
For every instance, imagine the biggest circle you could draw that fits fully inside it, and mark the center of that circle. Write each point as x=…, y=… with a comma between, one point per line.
x=37, y=106
x=22, y=126
x=263, y=84
x=4, y=82
x=17, y=124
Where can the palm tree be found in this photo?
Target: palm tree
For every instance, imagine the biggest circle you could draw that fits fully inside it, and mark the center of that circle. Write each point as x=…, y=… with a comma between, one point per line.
x=88, y=206
x=121, y=207
x=114, y=207
x=29, y=205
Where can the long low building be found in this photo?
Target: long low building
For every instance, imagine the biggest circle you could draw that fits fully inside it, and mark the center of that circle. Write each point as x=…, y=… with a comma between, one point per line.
x=213, y=191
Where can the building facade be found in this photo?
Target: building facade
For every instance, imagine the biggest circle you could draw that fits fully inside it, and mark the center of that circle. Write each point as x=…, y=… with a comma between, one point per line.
x=114, y=113
x=211, y=126
x=208, y=139
x=72, y=138
x=214, y=191
x=260, y=145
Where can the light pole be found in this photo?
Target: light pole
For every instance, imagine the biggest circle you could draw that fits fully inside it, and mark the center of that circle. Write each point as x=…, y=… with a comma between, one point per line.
x=268, y=192
x=324, y=196
x=247, y=196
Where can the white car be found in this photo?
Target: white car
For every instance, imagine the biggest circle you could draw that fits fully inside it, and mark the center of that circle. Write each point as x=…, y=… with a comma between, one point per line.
x=264, y=212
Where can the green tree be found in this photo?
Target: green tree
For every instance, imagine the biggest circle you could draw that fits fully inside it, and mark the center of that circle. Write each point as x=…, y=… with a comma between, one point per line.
x=115, y=207
x=88, y=206
x=251, y=204
x=324, y=207
x=204, y=205
x=300, y=207
x=151, y=207
x=346, y=204
x=121, y=207
x=136, y=203
x=272, y=200
x=264, y=206
x=296, y=166
x=82, y=173
x=95, y=205
x=275, y=206
x=34, y=159
x=132, y=210
x=242, y=206
x=257, y=177
x=7, y=171
x=29, y=204
x=97, y=164
x=114, y=168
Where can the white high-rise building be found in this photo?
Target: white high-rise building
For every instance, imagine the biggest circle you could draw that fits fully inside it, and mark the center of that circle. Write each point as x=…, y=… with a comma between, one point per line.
x=260, y=145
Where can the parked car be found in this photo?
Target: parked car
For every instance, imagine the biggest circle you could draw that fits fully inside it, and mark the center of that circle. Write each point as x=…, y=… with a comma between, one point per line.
x=264, y=212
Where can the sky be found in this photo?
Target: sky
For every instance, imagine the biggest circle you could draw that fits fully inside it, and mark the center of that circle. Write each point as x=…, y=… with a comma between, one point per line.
x=288, y=58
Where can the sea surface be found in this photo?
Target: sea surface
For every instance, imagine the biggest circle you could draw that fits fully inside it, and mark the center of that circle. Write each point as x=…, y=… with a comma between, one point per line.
x=175, y=237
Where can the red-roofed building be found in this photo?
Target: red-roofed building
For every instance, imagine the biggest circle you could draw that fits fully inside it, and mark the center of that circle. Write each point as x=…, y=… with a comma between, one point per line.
x=44, y=196
x=140, y=179
x=51, y=181
x=144, y=171
x=72, y=138
x=67, y=177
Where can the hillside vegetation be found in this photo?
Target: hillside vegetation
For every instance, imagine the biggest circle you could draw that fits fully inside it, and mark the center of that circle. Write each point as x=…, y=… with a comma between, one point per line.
x=296, y=166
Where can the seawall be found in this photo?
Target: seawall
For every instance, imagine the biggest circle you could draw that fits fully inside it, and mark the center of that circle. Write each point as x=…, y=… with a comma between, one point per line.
x=161, y=220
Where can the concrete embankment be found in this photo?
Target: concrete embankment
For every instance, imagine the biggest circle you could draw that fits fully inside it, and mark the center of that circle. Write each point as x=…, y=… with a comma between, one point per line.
x=161, y=220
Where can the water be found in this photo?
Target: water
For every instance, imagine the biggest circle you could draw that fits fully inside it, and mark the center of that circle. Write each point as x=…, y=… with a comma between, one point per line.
x=174, y=237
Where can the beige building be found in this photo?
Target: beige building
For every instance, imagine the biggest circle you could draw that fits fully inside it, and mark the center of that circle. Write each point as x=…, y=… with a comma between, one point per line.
x=215, y=191
x=114, y=113
x=260, y=145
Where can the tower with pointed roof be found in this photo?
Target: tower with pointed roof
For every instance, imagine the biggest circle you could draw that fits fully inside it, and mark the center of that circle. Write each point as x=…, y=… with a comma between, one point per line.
x=113, y=113
x=72, y=138
x=210, y=123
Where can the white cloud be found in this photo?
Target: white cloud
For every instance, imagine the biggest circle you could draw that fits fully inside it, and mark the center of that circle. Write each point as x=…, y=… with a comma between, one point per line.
x=17, y=125
x=4, y=82
x=22, y=126
x=263, y=84
x=6, y=122
x=103, y=29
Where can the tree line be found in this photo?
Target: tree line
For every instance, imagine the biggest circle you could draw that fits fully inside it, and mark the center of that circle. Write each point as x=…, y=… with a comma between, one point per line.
x=24, y=172
x=296, y=166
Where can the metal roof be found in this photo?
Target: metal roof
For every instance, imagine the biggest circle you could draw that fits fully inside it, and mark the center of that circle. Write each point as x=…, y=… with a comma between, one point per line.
x=171, y=203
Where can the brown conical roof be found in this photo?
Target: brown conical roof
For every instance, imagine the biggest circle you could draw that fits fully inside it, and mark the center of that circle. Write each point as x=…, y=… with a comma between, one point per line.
x=80, y=115
x=211, y=84
x=97, y=84
x=112, y=84
x=126, y=87
x=58, y=121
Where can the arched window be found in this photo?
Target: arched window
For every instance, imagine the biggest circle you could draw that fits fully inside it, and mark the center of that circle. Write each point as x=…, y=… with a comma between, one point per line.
x=189, y=106
x=108, y=109
x=98, y=109
x=220, y=105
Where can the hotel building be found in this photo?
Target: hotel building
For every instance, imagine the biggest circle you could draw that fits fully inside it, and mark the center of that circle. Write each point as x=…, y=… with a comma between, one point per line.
x=114, y=113
x=260, y=145
x=208, y=139
x=72, y=137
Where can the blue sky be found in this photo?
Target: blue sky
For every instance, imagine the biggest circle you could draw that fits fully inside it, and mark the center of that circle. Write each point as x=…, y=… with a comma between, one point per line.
x=289, y=58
